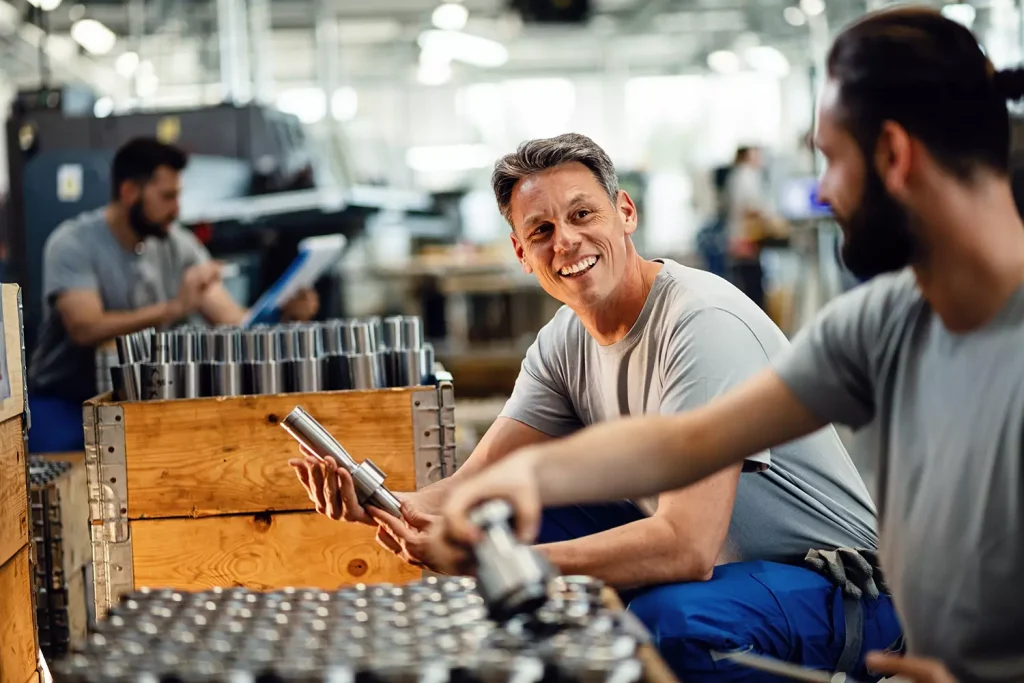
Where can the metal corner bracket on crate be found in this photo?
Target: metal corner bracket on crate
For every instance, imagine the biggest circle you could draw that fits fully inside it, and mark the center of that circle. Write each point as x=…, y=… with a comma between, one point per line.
x=433, y=420
x=108, y=504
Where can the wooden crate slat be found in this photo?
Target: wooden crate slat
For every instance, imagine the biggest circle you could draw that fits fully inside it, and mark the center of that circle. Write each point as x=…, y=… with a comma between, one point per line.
x=260, y=552
x=13, y=489
x=14, y=404
x=222, y=456
x=17, y=620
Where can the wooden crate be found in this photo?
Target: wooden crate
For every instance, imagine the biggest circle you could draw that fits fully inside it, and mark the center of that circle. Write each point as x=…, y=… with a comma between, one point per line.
x=18, y=642
x=193, y=494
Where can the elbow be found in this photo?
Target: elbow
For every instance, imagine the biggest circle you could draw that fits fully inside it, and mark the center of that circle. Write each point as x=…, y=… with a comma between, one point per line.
x=692, y=567
x=80, y=334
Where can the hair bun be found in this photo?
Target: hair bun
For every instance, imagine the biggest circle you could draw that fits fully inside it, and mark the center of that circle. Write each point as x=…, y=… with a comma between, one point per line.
x=1009, y=83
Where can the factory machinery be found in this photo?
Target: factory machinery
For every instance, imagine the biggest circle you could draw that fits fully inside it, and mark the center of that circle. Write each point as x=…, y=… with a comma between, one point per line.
x=337, y=354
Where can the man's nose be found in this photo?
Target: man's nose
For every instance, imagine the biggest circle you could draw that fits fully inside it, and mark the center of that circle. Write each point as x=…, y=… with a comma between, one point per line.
x=567, y=238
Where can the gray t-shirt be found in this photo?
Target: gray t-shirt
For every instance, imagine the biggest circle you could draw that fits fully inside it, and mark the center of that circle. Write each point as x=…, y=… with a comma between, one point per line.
x=697, y=336
x=82, y=253
x=944, y=416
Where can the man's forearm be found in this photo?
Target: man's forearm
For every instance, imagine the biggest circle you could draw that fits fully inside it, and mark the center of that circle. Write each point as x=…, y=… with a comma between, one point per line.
x=113, y=324
x=640, y=553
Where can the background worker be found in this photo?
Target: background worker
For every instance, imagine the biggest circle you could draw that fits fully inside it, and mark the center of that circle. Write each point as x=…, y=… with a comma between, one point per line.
x=635, y=337
x=927, y=359
x=121, y=268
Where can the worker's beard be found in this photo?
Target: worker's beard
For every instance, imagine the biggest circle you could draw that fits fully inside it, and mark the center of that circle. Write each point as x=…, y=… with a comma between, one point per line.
x=142, y=226
x=877, y=236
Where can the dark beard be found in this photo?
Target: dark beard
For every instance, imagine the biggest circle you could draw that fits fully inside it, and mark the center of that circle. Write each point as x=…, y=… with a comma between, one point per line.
x=877, y=237
x=142, y=226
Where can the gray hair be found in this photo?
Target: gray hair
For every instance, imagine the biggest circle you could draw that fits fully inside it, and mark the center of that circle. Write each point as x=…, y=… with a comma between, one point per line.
x=534, y=156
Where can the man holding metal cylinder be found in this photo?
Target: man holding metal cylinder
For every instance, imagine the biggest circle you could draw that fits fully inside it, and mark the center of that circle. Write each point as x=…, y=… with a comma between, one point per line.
x=116, y=270
x=654, y=337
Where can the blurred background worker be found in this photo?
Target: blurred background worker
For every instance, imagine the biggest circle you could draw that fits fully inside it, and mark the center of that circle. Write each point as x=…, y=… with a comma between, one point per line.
x=120, y=269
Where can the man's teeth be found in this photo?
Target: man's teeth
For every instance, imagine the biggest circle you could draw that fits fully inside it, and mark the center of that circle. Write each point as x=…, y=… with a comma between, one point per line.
x=578, y=267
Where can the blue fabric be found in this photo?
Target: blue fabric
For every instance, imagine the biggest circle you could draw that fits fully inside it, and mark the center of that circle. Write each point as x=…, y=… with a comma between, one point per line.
x=56, y=425
x=777, y=610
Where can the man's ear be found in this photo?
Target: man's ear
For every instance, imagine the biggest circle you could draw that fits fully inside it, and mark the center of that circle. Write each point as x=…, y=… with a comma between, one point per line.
x=520, y=254
x=894, y=153
x=627, y=209
x=129, y=192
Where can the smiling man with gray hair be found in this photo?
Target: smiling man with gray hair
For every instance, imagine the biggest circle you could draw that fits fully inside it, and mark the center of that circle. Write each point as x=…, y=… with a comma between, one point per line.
x=639, y=336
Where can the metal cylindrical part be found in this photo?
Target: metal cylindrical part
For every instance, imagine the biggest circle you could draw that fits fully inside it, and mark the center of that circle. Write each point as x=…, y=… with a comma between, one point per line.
x=337, y=374
x=367, y=477
x=263, y=377
x=392, y=332
x=289, y=342
x=308, y=342
x=411, y=333
x=376, y=331
x=304, y=375
x=367, y=370
x=161, y=347
x=222, y=379
x=227, y=346
x=191, y=380
x=117, y=382
x=261, y=344
x=362, y=338
x=187, y=346
x=426, y=364
x=331, y=333
x=160, y=381
x=127, y=351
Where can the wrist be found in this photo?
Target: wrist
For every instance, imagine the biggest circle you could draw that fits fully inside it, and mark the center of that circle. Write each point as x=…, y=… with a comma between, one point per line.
x=174, y=311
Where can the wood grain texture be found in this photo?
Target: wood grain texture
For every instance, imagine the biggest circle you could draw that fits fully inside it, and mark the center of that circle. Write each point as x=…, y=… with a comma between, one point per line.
x=655, y=668
x=15, y=403
x=215, y=456
x=17, y=620
x=261, y=552
x=13, y=489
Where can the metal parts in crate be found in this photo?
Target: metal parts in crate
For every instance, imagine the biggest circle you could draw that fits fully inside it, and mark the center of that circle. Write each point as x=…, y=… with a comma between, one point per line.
x=272, y=359
x=433, y=630
x=48, y=536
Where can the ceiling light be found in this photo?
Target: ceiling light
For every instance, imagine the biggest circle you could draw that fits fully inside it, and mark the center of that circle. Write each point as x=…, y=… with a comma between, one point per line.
x=434, y=71
x=93, y=36
x=456, y=45
x=308, y=104
x=767, y=60
x=126, y=63
x=450, y=16
x=146, y=84
x=45, y=5
x=961, y=13
x=724, y=62
x=794, y=16
x=449, y=158
x=344, y=104
x=812, y=8
x=103, y=107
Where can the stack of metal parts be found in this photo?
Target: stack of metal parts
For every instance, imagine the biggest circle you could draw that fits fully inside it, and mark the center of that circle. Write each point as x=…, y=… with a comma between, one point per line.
x=47, y=536
x=194, y=362
x=432, y=630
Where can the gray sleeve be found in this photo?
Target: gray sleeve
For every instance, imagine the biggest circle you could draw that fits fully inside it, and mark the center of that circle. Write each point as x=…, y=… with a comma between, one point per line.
x=710, y=352
x=191, y=251
x=66, y=266
x=828, y=366
x=540, y=398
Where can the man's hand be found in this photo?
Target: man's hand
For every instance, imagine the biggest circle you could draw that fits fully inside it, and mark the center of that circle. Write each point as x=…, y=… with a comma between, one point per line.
x=416, y=539
x=513, y=479
x=909, y=669
x=194, y=283
x=330, y=488
x=301, y=307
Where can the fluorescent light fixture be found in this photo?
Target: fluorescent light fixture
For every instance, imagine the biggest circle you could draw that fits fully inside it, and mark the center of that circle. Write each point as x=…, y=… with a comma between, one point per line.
x=961, y=13
x=463, y=47
x=146, y=81
x=767, y=60
x=103, y=107
x=309, y=104
x=126, y=63
x=794, y=16
x=93, y=36
x=450, y=16
x=434, y=72
x=344, y=104
x=45, y=5
x=724, y=62
x=812, y=8
x=433, y=159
